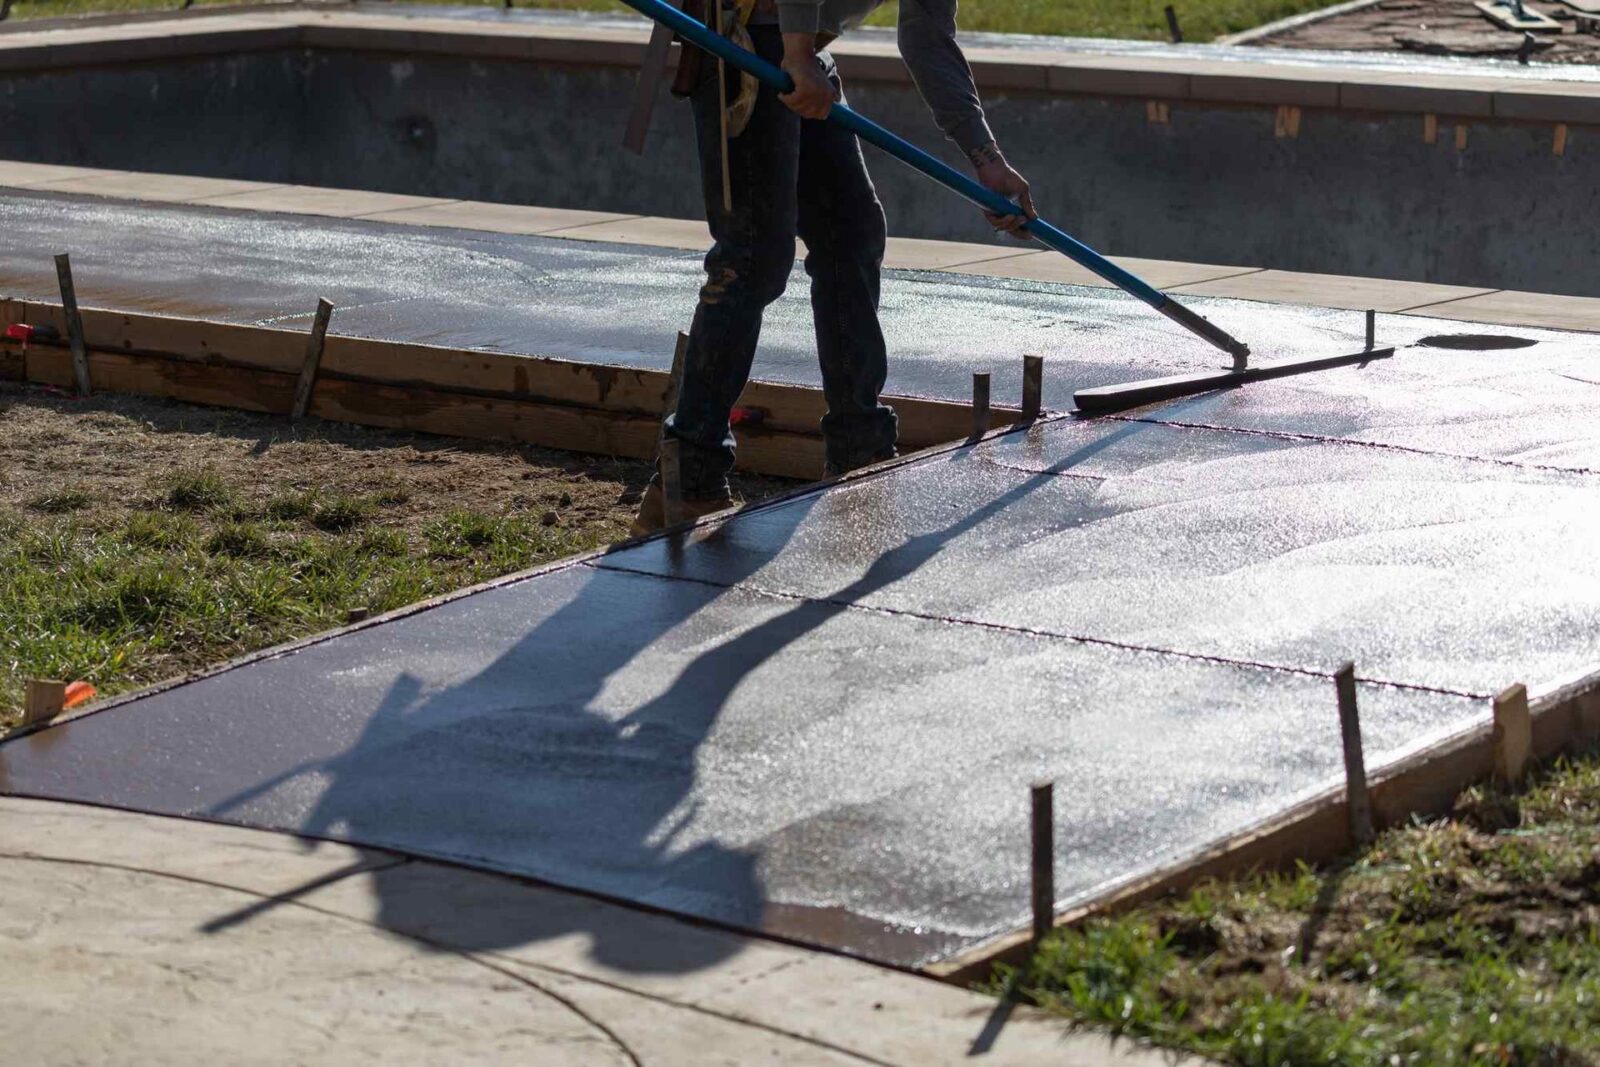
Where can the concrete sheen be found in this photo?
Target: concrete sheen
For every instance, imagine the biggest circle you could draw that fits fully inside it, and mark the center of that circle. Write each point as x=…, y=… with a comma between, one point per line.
x=266, y=948
x=872, y=674
x=621, y=304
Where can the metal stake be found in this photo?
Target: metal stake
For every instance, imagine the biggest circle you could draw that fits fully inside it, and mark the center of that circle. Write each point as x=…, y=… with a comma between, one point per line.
x=1044, y=859
x=69, y=306
x=1372, y=329
x=1032, y=387
x=1357, y=799
x=313, y=360
x=980, y=405
x=1172, y=26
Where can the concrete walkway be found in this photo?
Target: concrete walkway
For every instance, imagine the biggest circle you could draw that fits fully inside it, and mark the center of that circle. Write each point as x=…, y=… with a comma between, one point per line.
x=130, y=939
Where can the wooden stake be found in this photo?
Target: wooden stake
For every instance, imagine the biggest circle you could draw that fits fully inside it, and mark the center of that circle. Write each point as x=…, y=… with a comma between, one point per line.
x=1044, y=859
x=313, y=360
x=675, y=382
x=1559, y=145
x=1513, y=735
x=1173, y=29
x=69, y=305
x=45, y=699
x=1461, y=137
x=1357, y=799
x=1430, y=129
x=980, y=405
x=671, y=481
x=1032, y=387
x=1157, y=112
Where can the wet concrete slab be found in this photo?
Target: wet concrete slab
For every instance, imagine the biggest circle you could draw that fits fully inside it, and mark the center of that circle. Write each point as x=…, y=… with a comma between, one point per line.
x=831, y=774
x=619, y=304
x=818, y=719
x=1425, y=570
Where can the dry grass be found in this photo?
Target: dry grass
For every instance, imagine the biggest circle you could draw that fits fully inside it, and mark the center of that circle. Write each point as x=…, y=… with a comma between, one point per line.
x=141, y=539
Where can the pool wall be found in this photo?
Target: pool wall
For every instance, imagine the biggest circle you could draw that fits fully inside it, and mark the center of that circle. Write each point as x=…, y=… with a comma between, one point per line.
x=1345, y=190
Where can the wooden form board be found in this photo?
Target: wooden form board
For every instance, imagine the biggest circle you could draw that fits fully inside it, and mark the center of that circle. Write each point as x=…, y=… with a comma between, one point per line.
x=1425, y=783
x=489, y=396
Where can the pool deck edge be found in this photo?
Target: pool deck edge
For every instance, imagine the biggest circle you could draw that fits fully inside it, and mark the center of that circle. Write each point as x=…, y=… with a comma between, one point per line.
x=1005, y=261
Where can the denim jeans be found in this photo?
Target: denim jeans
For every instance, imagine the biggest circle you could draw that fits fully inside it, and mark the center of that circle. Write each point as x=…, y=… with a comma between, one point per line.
x=790, y=176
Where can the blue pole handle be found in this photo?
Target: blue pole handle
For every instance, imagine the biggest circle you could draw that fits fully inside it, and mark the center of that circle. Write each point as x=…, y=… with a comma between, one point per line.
x=699, y=34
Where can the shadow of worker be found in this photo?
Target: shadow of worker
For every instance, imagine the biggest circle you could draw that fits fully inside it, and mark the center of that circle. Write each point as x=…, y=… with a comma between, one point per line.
x=527, y=756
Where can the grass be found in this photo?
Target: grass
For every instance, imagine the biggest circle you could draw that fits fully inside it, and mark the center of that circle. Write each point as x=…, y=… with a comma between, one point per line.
x=191, y=575
x=1471, y=940
x=1202, y=20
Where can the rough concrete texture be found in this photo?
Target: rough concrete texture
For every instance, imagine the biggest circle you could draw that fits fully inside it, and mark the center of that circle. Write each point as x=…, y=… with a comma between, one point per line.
x=132, y=939
x=1498, y=214
x=623, y=305
x=819, y=718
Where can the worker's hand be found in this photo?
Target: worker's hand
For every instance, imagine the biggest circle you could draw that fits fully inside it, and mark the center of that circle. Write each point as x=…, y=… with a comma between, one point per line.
x=813, y=92
x=996, y=175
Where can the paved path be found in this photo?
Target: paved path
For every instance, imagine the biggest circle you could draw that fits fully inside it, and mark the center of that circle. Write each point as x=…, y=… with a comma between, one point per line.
x=131, y=939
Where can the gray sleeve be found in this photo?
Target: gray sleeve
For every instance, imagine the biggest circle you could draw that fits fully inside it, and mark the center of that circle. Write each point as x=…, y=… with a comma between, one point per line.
x=928, y=46
x=799, y=16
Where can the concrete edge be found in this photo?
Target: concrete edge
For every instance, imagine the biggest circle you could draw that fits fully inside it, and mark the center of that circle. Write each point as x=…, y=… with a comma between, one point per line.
x=1422, y=781
x=1176, y=77
x=1548, y=311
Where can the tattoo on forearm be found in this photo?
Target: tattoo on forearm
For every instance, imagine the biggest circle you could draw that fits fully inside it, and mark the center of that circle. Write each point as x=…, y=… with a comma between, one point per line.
x=985, y=154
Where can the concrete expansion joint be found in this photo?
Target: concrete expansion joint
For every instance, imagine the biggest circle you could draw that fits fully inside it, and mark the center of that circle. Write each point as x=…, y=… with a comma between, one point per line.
x=1323, y=439
x=1035, y=632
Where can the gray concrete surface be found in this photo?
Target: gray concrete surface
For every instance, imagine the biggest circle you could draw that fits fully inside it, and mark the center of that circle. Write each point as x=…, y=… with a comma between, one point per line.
x=130, y=939
x=623, y=305
x=818, y=719
x=1356, y=192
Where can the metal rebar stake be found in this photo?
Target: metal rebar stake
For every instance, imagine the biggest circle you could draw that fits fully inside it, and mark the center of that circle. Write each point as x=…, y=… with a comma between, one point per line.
x=1032, y=387
x=69, y=308
x=1042, y=795
x=980, y=405
x=1357, y=799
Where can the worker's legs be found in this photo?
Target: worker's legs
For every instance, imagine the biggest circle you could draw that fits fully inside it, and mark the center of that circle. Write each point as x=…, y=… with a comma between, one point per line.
x=746, y=269
x=841, y=222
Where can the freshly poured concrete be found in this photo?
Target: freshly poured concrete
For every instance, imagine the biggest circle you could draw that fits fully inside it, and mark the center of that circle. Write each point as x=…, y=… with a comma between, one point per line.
x=615, y=303
x=819, y=718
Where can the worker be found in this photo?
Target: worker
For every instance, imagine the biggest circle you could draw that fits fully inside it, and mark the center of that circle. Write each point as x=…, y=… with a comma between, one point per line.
x=791, y=173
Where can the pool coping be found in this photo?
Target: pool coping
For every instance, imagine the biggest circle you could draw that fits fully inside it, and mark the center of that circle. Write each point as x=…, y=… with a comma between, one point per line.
x=1277, y=81
x=1003, y=261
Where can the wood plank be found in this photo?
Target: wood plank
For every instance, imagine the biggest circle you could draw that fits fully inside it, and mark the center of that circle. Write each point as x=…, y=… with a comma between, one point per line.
x=791, y=412
x=577, y=429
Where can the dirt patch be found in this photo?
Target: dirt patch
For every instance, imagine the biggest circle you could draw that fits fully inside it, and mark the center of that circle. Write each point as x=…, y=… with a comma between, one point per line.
x=113, y=449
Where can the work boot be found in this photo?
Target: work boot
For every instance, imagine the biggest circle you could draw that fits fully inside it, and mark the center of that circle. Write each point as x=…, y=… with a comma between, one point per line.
x=653, y=510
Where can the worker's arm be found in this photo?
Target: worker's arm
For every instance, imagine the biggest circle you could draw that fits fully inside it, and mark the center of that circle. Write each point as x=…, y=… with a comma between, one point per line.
x=928, y=45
